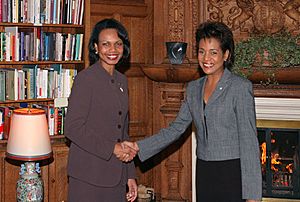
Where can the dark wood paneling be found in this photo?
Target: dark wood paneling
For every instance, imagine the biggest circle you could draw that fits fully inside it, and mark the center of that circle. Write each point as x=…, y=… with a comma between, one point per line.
x=137, y=18
x=54, y=175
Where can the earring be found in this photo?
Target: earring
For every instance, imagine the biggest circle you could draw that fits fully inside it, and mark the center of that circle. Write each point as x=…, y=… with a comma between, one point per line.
x=96, y=52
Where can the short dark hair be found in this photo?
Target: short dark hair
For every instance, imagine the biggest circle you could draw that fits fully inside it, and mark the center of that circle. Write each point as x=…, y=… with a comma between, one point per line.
x=108, y=23
x=221, y=32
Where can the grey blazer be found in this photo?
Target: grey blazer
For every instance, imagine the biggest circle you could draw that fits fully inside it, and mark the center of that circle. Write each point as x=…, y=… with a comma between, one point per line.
x=226, y=129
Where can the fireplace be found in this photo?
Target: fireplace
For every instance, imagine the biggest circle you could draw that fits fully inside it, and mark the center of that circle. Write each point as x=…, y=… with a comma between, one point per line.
x=280, y=162
x=278, y=130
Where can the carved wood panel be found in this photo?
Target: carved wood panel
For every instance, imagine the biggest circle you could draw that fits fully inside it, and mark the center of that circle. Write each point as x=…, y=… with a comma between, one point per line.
x=174, y=168
x=256, y=16
x=136, y=17
x=174, y=20
x=250, y=17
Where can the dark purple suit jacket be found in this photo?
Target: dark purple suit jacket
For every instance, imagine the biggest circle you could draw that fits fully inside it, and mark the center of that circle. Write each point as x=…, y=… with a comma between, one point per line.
x=97, y=118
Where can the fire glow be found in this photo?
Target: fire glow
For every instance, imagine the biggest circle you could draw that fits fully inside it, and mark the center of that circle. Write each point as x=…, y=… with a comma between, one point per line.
x=281, y=174
x=275, y=160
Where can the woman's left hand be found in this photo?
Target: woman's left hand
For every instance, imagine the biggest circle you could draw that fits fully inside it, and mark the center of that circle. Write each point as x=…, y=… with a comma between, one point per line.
x=132, y=192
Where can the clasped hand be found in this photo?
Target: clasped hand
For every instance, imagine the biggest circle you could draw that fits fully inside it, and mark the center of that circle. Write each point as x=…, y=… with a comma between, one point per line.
x=126, y=151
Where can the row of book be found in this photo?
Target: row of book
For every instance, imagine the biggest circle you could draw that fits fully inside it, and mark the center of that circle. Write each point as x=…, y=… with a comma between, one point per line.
x=36, y=45
x=32, y=82
x=55, y=117
x=42, y=11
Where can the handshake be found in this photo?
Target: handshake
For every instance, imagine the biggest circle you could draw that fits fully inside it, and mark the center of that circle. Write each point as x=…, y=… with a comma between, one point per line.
x=126, y=151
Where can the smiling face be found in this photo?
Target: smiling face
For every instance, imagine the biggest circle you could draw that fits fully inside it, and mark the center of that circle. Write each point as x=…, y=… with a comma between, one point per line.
x=110, y=48
x=211, y=57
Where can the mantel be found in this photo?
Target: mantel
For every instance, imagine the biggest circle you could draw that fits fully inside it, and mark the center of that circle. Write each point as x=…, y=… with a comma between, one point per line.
x=171, y=73
x=282, y=75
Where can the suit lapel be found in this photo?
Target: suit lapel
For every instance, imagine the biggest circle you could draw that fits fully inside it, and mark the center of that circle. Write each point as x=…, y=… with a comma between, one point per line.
x=199, y=99
x=222, y=85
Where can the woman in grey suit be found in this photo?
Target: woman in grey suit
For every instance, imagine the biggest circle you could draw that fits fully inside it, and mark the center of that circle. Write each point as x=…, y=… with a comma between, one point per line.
x=221, y=105
x=97, y=120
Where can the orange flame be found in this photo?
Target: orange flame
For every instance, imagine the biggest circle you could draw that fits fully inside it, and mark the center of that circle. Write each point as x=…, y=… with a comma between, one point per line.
x=275, y=161
x=289, y=167
x=263, y=153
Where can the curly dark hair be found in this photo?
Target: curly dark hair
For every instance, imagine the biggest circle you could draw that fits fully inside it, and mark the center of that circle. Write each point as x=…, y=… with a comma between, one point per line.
x=221, y=32
x=108, y=23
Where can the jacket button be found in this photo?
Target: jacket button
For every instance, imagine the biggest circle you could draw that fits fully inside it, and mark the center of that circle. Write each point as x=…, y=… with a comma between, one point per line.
x=113, y=81
x=119, y=126
x=120, y=113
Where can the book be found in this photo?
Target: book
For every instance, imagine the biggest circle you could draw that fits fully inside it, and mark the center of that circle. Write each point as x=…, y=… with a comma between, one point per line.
x=2, y=85
x=21, y=85
x=51, y=83
x=37, y=12
x=50, y=116
x=51, y=46
x=3, y=46
x=4, y=11
x=1, y=125
x=61, y=120
x=57, y=80
x=14, y=42
x=43, y=13
x=7, y=112
x=11, y=87
x=14, y=4
x=4, y=127
x=9, y=11
x=21, y=11
x=31, y=74
x=22, y=50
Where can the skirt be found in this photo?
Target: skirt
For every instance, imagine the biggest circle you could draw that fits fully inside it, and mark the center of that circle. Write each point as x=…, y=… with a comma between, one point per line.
x=218, y=181
x=80, y=191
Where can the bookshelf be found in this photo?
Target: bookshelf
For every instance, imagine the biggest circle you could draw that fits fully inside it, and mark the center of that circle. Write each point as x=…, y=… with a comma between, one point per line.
x=44, y=36
x=54, y=172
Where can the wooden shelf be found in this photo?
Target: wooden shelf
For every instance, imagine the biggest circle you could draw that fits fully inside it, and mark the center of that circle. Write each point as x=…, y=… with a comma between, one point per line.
x=171, y=73
x=286, y=91
x=282, y=75
x=40, y=62
x=40, y=25
x=27, y=100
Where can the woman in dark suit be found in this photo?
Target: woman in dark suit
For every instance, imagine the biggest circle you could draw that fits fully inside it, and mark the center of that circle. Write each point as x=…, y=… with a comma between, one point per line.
x=97, y=121
x=221, y=105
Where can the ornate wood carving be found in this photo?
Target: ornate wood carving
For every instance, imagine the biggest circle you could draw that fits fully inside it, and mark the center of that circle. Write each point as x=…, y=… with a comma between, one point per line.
x=195, y=22
x=174, y=169
x=250, y=16
x=172, y=96
x=176, y=20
